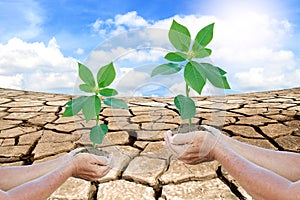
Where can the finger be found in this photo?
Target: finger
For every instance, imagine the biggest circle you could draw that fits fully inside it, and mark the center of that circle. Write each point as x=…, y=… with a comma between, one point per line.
x=101, y=171
x=167, y=137
x=211, y=129
x=185, y=138
x=177, y=150
x=167, y=141
x=192, y=160
x=101, y=160
x=111, y=160
x=106, y=170
x=168, y=134
x=76, y=151
x=189, y=153
x=102, y=168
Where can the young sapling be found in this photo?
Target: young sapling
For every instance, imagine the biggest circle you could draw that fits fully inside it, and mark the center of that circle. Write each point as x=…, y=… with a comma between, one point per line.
x=91, y=106
x=186, y=57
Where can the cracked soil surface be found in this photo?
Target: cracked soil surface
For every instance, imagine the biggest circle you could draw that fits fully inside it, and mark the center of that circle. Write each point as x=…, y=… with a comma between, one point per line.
x=32, y=130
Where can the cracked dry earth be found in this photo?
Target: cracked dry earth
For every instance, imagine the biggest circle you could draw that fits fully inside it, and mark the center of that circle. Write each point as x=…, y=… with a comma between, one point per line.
x=32, y=130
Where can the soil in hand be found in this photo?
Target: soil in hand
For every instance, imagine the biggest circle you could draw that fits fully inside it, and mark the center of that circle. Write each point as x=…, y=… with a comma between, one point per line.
x=185, y=128
x=95, y=151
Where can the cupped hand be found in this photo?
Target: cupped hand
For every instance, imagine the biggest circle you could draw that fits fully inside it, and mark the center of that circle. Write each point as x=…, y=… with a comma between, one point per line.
x=90, y=167
x=193, y=147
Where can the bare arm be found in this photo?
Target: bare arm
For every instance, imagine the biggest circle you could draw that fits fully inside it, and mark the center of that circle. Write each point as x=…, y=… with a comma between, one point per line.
x=16, y=175
x=261, y=183
x=283, y=163
x=84, y=166
x=40, y=188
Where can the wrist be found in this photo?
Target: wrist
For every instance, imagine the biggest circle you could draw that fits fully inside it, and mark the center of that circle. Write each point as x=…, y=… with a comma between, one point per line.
x=74, y=164
x=68, y=157
x=66, y=169
x=216, y=149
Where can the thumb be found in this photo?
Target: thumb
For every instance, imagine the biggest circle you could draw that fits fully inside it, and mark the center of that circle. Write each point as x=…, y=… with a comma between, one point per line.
x=111, y=160
x=212, y=130
x=168, y=137
x=183, y=138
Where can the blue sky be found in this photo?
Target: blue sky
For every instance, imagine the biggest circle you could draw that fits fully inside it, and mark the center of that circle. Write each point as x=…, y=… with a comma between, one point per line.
x=255, y=41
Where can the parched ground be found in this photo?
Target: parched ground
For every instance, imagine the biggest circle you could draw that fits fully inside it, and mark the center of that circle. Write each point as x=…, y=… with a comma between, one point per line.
x=32, y=130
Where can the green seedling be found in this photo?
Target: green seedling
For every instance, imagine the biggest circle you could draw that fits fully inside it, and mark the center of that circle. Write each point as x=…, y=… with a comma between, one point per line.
x=91, y=106
x=186, y=58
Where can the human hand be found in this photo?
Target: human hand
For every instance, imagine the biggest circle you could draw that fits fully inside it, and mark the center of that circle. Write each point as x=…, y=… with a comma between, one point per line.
x=193, y=147
x=75, y=151
x=90, y=167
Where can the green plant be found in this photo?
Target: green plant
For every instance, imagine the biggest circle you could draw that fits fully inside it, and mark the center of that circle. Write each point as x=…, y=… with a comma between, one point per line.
x=195, y=73
x=91, y=106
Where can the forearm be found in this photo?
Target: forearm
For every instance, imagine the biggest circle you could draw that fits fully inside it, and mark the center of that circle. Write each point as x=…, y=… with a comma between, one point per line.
x=257, y=181
x=275, y=161
x=42, y=187
x=15, y=176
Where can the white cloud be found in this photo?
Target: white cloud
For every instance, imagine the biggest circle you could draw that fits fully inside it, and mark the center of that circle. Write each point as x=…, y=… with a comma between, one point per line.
x=263, y=79
x=38, y=66
x=100, y=57
x=178, y=88
x=130, y=49
x=249, y=45
x=193, y=22
x=79, y=51
x=130, y=19
x=131, y=83
x=119, y=24
x=143, y=55
x=45, y=81
x=13, y=82
x=19, y=56
x=259, y=78
x=246, y=44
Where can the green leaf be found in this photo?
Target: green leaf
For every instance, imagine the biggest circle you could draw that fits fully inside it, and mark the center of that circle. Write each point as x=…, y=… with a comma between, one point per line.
x=74, y=106
x=115, y=103
x=87, y=88
x=203, y=37
x=91, y=107
x=166, y=69
x=194, y=77
x=214, y=74
x=180, y=37
x=108, y=92
x=202, y=53
x=86, y=75
x=98, y=133
x=106, y=75
x=175, y=56
x=222, y=72
x=186, y=106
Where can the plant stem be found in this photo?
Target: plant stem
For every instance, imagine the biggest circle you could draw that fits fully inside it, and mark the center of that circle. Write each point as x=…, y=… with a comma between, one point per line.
x=187, y=92
x=97, y=119
x=97, y=122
